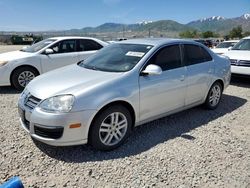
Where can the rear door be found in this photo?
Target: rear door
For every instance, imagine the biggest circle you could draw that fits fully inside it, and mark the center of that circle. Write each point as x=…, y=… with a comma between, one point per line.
x=165, y=92
x=199, y=69
x=86, y=48
x=64, y=54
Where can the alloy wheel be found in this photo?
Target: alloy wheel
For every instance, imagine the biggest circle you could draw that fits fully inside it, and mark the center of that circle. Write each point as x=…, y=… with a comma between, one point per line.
x=215, y=95
x=25, y=77
x=113, y=128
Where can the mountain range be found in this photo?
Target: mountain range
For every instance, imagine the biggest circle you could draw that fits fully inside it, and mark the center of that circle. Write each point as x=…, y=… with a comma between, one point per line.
x=216, y=24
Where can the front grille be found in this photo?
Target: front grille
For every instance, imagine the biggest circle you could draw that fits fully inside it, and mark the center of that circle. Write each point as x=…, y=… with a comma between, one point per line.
x=243, y=63
x=54, y=133
x=31, y=102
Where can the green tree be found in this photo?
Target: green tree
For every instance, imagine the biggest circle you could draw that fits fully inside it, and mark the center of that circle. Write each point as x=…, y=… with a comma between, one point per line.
x=189, y=34
x=236, y=32
x=246, y=34
x=207, y=34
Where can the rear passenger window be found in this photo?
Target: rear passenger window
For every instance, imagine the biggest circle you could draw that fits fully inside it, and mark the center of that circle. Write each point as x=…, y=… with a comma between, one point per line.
x=88, y=45
x=167, y=58
x=194, y=54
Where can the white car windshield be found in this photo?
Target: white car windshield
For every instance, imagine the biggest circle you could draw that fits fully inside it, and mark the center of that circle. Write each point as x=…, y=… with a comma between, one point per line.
x=38, y=46
x=226, y=44
x=116, y=57
x=244, y=44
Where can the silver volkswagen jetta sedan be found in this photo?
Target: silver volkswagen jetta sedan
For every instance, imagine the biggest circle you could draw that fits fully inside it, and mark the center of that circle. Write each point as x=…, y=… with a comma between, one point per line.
x=101, y=99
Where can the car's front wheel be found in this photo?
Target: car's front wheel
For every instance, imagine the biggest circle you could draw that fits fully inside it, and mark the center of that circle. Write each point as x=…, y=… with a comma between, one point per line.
x=110, y=128
x=214, y=96
x=22, y=76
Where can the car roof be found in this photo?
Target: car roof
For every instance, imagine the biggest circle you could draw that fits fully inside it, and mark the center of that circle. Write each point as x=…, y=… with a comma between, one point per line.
x=155, y=41
x=71, y=37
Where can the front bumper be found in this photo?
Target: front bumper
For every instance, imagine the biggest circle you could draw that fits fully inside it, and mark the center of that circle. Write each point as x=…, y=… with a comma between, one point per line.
x=53, y=129
x=240, y=70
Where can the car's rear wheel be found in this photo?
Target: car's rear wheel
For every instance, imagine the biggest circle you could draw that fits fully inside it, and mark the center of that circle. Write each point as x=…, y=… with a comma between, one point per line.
x=110, y=128
x=214, y=96
x=22, y=76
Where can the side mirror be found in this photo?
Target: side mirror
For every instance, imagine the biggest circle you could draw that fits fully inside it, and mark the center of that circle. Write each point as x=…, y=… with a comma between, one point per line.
x=152, y=70
x=230, y=48
x=48, y=51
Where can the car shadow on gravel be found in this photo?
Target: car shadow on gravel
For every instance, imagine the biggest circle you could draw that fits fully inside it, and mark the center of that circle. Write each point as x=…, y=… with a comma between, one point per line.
x=8, y=90
x=240, y=81
x=148, y=135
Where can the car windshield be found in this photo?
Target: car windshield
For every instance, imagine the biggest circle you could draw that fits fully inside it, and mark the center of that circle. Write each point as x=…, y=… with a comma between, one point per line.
x=244, y=44
x=226, y=44
x=38, y=46
x=116, y=57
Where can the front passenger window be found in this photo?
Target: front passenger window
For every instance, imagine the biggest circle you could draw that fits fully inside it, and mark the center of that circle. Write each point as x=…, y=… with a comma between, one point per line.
x=66, y=46
x=167, y=58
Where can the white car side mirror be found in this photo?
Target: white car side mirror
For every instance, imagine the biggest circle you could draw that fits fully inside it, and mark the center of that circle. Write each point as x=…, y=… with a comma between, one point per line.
x=152, y=70
x=48, y=51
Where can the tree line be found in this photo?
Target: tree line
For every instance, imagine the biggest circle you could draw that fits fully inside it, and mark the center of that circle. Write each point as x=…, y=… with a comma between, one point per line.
x=236, y=32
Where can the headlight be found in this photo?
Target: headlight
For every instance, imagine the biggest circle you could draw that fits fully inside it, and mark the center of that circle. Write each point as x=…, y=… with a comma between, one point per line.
x=2, y=63
x=61, y=103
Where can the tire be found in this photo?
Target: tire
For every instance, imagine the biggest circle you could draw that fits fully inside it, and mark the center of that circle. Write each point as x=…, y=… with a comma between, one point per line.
x=22, y=76
x=110, y=128
x=214, y=96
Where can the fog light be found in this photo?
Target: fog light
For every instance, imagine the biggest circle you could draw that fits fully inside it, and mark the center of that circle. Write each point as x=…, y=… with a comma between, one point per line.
x=76, y=125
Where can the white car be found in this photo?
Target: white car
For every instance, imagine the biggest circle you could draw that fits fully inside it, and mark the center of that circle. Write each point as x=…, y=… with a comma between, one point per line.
x=223, y=47
x=239, y=56
x=18, y=68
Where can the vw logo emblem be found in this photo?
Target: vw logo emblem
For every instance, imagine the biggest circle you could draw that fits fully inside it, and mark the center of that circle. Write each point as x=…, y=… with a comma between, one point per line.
x=238, y=62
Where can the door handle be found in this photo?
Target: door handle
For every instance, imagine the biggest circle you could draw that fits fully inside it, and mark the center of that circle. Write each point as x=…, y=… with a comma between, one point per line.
x=210, y=71
x=182, y=78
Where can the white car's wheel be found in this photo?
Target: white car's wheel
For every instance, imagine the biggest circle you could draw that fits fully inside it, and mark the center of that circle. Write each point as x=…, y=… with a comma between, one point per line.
x=110, y=128
x=22, y=76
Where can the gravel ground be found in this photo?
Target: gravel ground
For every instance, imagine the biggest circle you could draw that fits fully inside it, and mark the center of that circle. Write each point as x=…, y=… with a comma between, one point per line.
x=194, y=148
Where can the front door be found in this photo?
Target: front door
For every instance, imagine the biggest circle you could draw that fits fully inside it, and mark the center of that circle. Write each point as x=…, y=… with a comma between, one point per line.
x=64, y=54
x=162, y=93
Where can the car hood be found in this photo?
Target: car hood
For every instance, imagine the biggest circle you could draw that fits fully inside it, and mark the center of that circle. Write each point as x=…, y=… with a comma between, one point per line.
x=238, y=54
x=71, y=79
x=219, y=50
x=10, y=56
